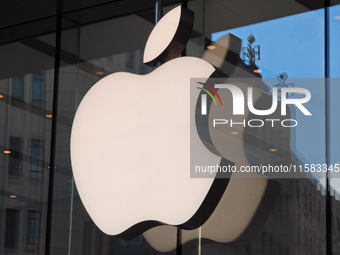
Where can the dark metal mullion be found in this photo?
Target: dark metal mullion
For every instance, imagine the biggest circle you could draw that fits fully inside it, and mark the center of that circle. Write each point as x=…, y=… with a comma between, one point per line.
x=53, y=135
x=179, y=241
x=76, y=106
x=158, y=16
x=329, y=236
x=158, y=10
x=184, y=4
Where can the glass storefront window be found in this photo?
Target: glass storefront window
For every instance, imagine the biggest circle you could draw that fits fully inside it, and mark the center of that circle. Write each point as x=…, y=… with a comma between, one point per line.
x=26, y=82
x=284, y=44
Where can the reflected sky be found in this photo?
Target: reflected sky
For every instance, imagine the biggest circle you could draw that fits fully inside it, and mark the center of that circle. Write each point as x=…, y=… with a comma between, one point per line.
x=296, y=45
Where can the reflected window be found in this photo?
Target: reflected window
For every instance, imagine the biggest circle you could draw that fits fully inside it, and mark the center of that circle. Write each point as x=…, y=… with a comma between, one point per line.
x=18, y=89
x=87, y=238
x=38, y=89
x=15, y=160
x=12, y=228
x=36, y=158
x=33, y=223
x=129, y=60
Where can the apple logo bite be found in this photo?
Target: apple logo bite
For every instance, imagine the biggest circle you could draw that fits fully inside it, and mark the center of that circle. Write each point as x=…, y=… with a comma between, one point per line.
x=130, y=153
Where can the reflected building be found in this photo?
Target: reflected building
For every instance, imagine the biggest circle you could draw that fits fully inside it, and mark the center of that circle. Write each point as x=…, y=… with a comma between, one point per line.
x=25, y=136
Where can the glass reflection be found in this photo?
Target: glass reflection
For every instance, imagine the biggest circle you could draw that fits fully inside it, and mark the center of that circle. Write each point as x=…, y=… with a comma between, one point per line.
x=295, y=221
x=290, y=47
x=25, y=132
x=334, y=121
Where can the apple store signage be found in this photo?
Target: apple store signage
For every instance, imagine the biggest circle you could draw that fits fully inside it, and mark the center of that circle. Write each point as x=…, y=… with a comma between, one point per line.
x=130, y=170
x=131, y=163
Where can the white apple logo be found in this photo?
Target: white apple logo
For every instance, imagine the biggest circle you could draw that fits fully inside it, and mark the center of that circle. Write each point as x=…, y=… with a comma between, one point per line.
x=130, y=143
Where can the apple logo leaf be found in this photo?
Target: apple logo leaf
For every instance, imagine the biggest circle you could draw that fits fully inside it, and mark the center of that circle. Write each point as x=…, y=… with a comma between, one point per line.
x=169, y=37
